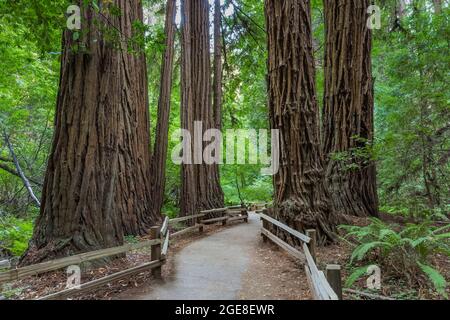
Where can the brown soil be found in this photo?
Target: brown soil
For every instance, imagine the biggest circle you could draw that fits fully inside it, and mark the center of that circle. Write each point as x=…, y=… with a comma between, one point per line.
x=39, y=286
x=274, y=275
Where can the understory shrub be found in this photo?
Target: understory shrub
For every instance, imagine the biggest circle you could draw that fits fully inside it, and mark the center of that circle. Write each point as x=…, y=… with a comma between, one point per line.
x=14, y=235
x=405, y=251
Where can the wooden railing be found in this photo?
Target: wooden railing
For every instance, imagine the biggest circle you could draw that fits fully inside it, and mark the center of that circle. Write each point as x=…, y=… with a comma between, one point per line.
x=323, y=286
x=159, y=244
x=228, y=214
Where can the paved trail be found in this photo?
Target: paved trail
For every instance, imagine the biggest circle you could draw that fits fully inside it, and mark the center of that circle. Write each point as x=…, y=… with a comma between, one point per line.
x=211, y=268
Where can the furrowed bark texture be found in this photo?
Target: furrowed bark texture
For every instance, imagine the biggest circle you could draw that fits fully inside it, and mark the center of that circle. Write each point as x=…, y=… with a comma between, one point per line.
x=348, y=114
x=162, y=130
x=301, y=200
x=97, y=181
x=133, y=193
x=218, y=65
x=200, y=188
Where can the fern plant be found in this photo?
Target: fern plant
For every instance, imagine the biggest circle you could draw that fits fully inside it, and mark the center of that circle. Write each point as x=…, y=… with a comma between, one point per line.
x=406, y=250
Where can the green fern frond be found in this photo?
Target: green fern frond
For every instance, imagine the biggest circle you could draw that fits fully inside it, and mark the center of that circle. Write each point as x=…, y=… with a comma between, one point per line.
x=358, y=273
x=439, y=282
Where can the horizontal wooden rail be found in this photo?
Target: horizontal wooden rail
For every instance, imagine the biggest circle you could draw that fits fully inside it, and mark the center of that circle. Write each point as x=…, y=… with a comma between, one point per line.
x=319, y=282
x=88, y=286
x=237, y=218
x=293, y=232
x=322, y=287
x=181, y=219
x=236, y=207
x=159, y=254
x=36, y=269
x=291, y=250
x=179, y=233
x=214, y=210
x=214, y=220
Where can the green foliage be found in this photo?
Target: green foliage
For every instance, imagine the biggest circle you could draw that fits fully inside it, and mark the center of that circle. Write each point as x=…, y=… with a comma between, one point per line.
x=412, y=114
x=405, y=250
x=14, y=235
x=131, y=239
x=436, y=278
x=357, y=157
x=355, y=275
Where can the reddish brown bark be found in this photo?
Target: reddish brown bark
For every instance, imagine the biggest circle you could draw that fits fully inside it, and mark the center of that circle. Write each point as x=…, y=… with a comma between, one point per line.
x=200, y=182
x=97, y=181
x=348, y=115
x=133, y=193
x=301, y=200
x=218, y=65
x=162, y=130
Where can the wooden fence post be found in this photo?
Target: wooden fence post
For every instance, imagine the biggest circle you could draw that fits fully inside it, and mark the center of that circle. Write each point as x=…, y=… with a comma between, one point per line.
x=265, y=224
x=333, y=274
x=155, y=233
x=244, y=212
x=200, y=225
x=224, y=222
x=312, y=244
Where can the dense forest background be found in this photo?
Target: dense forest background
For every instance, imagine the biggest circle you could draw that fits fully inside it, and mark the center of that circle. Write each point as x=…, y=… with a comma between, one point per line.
x=411, y=63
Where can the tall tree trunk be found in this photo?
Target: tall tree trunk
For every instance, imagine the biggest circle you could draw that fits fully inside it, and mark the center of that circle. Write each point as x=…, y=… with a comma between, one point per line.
x=188, y=178
x=218, y=66
x=134, y=170
x=97, y=180
x=348, y=115
x=162, y=130
x=197, y=106
x=300, y=195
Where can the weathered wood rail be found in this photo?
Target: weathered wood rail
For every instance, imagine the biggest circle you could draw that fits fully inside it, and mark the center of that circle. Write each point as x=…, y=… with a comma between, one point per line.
x=324, y=286
x=159, y=245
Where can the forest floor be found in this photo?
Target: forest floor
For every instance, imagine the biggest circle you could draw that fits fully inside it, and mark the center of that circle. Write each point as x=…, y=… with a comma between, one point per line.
x=266, y=272
x=229, y=264
x=243, y=267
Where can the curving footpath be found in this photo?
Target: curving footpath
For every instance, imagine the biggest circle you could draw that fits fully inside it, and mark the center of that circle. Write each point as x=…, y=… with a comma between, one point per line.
x=211, y=268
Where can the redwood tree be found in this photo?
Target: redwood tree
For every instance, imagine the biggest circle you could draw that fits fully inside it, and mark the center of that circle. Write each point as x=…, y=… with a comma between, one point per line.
x=133, y=192
x=200, y=182
x=97, y=183
x=348, y=114
x=162, y=130
x=218, y=65
x=301, y=200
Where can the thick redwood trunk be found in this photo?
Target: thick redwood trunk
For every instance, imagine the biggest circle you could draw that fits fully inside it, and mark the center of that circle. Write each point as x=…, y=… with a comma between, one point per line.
x=188, y=203
x=97, y=181
x=133, y=193
x=218, y=65
x=300, y=196
x=162, y=130
x=348, y=115
x=201, y=188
